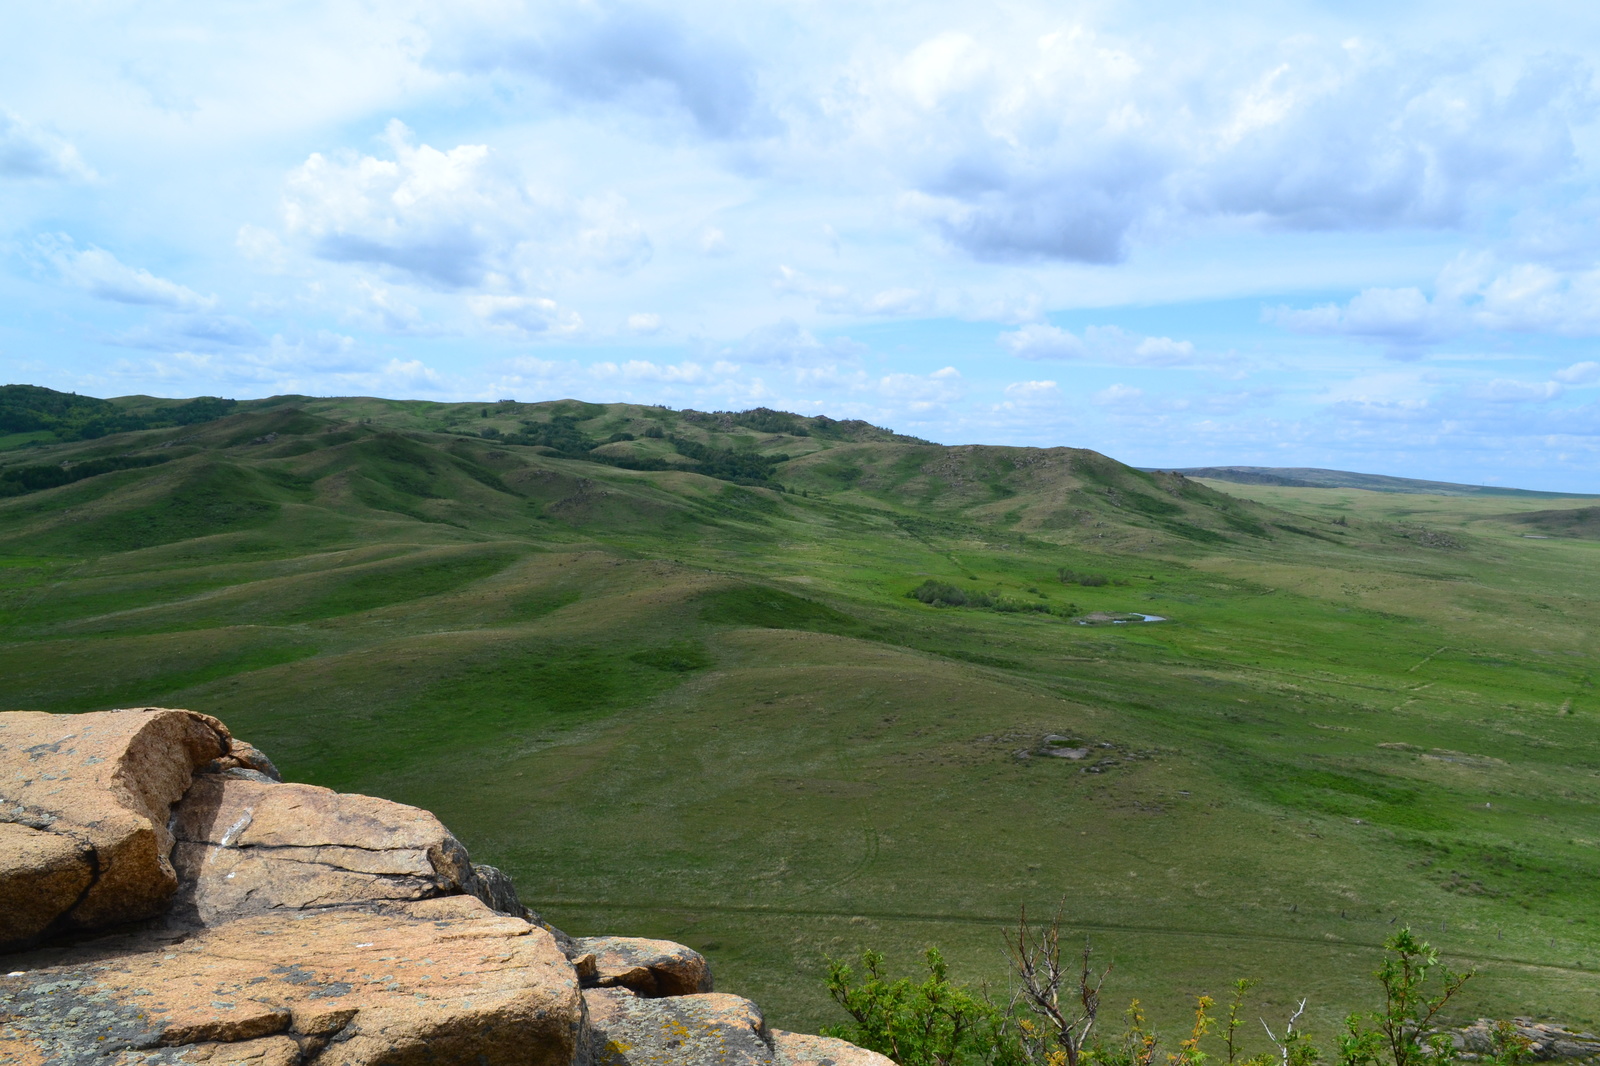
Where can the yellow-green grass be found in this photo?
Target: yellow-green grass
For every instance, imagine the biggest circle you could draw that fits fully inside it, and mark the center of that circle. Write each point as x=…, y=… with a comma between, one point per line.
x=673, y=706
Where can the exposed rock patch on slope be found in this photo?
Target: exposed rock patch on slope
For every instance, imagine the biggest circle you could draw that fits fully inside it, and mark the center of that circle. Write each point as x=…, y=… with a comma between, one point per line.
x=283, y=924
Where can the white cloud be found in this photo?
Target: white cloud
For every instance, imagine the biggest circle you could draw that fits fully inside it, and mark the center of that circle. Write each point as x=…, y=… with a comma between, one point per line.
x=832, y=377
x=1072, y=147
x=525, y=315
x=644, y=322
x=1102, y=344
x=1586, y=373
x=457, y=219
x=381, y=306
x=99, y=273
x=648, y=59
x=1388, y=314
x=1118, y=395
x=1163, y=351
x=787, y=343
x=1032, y=393
x=1472, y=292
x=197, y=332
x=1505, y=390
x=713, y=241
x=262, y=247
x=920, y=392
x=644, y=371
x=836, y=299
x=1041, y=341
x=28, y=152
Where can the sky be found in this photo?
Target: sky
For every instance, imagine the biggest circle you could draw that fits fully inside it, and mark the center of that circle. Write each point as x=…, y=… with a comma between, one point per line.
x=1352, y=235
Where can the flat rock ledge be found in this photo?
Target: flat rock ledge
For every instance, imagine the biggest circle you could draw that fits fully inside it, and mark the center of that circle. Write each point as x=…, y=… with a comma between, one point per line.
x=165, y=898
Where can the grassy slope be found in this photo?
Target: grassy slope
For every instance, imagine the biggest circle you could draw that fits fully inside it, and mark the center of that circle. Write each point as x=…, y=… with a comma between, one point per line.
x=674, y=706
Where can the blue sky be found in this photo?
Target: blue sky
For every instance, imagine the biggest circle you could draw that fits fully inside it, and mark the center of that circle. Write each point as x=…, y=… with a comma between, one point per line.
x=1349, y=235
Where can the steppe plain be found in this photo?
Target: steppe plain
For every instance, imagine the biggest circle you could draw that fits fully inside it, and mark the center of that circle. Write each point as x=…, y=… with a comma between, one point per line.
x=673, y=704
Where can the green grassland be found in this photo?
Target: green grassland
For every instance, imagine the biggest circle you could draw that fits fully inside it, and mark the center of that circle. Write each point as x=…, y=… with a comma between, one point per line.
x=663, y=667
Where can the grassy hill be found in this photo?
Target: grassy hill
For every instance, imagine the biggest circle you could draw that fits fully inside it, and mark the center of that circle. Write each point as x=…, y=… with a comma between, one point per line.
x=664, y=667
x=1313, y=477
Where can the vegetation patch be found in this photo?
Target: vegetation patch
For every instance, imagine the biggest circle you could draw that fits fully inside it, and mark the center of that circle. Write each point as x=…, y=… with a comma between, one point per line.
x=69, y=417
x=943, y=594
x=17, y=480
x=769, y=608
x=680, y=658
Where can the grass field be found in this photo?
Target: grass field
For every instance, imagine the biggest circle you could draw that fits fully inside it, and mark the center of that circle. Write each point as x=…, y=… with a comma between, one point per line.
x=670, y=704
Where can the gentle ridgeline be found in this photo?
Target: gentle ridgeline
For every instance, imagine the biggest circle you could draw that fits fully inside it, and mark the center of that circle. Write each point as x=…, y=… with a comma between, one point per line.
x=166, y=898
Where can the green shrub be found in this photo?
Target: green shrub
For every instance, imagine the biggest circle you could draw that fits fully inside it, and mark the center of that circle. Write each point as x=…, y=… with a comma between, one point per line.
x=1051, y=1017
x=932, y=1023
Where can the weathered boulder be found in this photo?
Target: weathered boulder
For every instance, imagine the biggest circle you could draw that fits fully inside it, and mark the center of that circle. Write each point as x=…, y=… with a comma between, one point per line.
x=250, y=847
x=84, y=800
x=799, y=1049
x=435, y=981
x=648, y=968
x=713, y=1029
x=304, y=927
x=1547, y=1042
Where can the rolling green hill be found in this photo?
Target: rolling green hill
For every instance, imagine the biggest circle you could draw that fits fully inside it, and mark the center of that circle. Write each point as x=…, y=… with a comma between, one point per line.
x=665, y=667
x=1314, y=477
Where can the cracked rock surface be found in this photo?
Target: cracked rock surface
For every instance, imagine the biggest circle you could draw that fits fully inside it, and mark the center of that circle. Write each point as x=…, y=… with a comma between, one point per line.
x=165, y=898
x=442, y=980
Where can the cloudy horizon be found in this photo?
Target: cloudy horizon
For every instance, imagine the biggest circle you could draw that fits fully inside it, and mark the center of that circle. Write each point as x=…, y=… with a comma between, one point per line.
x=1293, y=234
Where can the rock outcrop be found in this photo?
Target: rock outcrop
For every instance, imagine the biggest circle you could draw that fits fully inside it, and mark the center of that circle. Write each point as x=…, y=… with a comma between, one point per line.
x=704, y=1029
x=84, y=801
x=1546, y=1042
x=645, y=967
x=165, y=898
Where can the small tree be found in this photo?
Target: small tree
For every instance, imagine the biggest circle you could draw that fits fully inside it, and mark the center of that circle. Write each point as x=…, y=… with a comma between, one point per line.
x=1036, y=962
x=1402, y=1032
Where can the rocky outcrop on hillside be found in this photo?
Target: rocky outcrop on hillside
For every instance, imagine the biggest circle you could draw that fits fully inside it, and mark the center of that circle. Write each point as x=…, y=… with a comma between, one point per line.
x=1546, y=1042
x=166, y=898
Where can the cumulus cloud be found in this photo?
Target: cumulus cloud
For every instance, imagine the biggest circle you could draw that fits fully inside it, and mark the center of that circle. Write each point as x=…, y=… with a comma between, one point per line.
x=687, y=372
x=101, y=274
x=1472, y=292
x=1118, y=395
x=1069, y=145
x=201, y=332
x=1103, y=344
x=1585, y=373
x=1032, y=393
x=787, y=343
x=1506, y=390
x=1042, y=341
x=28, y=152
x=525, y=315
x=644, y=323
x=634, y=55
x=452, y=219
x=921, y=393
x=835, y=299
x=713, y=241
x=381, y=306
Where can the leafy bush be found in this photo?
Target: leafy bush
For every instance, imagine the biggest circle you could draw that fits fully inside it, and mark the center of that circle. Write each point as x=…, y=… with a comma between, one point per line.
x=1055, y=1004
x=766, y=420
x=1072, y=577
x=933, y=1023
x=943, y=594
